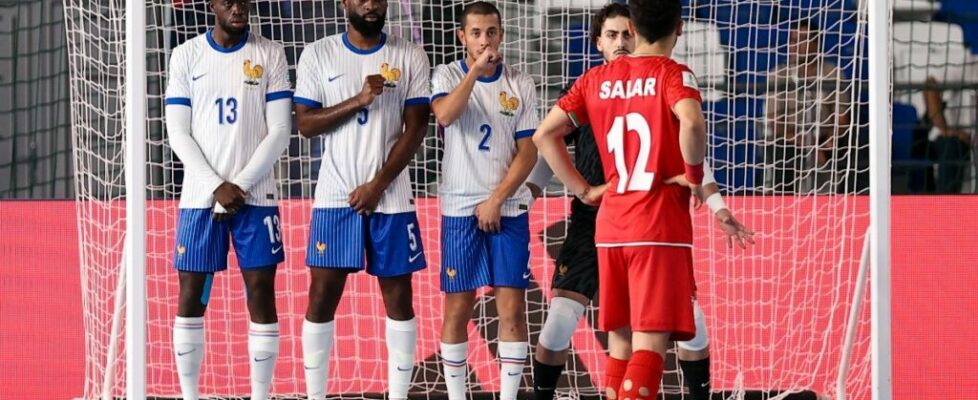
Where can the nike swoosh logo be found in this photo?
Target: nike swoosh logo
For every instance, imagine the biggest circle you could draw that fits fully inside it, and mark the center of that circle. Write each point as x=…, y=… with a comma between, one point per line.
x=262, y=359
x=198, y=77
x=179, y=354
x=512, y=373
x=454, y=376
x=526, y=275
x=335, y=77
x=705, y=384
x=308, y=368
x=545, y=388
x=403, y=369
x=276, y=250
x=414, y=257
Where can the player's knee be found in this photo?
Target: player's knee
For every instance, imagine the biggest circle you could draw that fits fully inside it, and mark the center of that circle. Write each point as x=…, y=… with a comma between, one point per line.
x=512, y=322
x=400, y=312
x=190, y=305
x=322, y=304
x=561, y=322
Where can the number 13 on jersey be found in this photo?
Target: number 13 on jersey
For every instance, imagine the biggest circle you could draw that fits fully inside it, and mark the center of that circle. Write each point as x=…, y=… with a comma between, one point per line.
x=638, y=179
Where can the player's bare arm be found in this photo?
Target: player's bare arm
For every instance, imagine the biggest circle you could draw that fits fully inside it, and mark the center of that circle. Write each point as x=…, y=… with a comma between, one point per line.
x=365, y=197
x=549, y=139
x=447, y=109
x=692, y=143
x=317, y=121
x=489, y=211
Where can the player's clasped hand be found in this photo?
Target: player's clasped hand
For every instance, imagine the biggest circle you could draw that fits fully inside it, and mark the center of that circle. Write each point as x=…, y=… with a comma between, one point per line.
x=593, y=196
x=373, y=86
x=696, y=189
x=365, y=197
x=488, y=214
x=487, y=61
x=231, y=197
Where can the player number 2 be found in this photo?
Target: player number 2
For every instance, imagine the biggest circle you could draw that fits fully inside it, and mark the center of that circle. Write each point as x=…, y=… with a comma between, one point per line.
x=412, y=239
x=638, y=179
x=229, y=116
x=486, y=130
x=274, y=234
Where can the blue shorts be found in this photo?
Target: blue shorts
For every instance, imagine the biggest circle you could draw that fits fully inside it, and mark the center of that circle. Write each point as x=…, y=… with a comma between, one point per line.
x=340, y=238
x=203, y=243
x=472, y=258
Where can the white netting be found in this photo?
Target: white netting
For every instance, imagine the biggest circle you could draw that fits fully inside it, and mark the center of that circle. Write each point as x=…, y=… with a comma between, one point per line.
x=776, y=312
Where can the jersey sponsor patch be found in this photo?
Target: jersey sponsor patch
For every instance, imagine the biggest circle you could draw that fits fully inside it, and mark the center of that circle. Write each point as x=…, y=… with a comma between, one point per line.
x=689, y=80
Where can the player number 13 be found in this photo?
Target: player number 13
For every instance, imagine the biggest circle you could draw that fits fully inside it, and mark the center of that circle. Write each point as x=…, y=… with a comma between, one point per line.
x=639, y=179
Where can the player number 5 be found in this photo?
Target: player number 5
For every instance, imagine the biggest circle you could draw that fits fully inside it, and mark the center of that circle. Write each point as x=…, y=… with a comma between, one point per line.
x=412, y=239
x=638, y=179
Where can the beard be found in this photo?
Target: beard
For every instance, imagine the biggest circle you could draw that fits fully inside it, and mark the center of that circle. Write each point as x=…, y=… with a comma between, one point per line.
x=368, y=28
x=232, y=30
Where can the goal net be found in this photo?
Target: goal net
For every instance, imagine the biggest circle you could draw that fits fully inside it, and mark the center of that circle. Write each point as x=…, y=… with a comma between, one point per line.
x=787, y=149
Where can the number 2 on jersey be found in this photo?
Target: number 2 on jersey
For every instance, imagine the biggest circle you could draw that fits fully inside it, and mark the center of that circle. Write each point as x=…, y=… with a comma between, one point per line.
x=486, y=130
x=232, y=110
x=638, y=179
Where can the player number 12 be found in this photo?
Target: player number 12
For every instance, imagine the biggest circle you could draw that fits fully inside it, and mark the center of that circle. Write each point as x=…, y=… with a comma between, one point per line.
x=639, y=179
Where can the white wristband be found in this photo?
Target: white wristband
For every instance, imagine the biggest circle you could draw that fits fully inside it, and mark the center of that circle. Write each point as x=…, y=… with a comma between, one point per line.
x=715, y=202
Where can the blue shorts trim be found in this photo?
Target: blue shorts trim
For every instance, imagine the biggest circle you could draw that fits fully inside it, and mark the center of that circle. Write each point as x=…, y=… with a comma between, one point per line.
x=202, y=243
x=386, y=245
x=472, y=258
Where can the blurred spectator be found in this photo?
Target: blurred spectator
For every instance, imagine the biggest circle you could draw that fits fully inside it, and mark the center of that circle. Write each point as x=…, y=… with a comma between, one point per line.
x=807, y=120
x=942, y=141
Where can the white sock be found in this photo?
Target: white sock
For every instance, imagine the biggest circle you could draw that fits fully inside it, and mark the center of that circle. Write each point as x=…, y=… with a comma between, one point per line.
x=512, y=360
x=402, y=338
x=317, y=341
x=455, y=364
x=263, y=340
x=188, y=350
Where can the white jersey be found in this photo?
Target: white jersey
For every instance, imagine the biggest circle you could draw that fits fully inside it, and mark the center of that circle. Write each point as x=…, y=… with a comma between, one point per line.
x=227, y=90
x=481, y=144
x=332, y=70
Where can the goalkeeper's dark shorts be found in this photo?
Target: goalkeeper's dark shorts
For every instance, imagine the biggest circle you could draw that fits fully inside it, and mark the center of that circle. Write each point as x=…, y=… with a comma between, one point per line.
x=577, y=262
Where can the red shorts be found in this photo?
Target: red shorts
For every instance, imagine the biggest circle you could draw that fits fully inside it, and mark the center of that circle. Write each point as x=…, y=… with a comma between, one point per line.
x=647, y=288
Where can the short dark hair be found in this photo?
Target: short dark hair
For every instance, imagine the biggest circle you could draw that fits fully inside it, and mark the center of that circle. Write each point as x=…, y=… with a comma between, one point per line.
x=479, y=8
x=655, y=19
x=611, y=10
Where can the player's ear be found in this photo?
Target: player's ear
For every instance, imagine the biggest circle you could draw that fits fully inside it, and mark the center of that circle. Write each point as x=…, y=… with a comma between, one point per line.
x=679, y=27
x=461, y=35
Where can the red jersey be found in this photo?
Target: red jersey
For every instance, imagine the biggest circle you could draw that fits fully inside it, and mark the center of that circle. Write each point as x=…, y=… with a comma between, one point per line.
x=629, y=105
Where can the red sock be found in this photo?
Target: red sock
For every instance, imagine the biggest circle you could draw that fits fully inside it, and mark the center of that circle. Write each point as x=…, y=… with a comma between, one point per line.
x=641, y=381
x=614, y=375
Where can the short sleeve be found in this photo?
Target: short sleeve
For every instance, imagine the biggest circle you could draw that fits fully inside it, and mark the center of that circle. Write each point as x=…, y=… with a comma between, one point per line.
x=443, y=81
x=308, y=85
x=419, y=88
x=279, y=87
x=529, y=117
x=573, y=101
x=178, y=79
x=681, y=84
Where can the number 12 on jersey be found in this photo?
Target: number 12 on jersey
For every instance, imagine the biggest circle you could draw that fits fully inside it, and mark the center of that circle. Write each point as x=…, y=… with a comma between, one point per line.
x=639, y=179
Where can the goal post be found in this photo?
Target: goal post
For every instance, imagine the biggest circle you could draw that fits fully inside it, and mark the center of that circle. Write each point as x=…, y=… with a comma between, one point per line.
x=135, y=171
